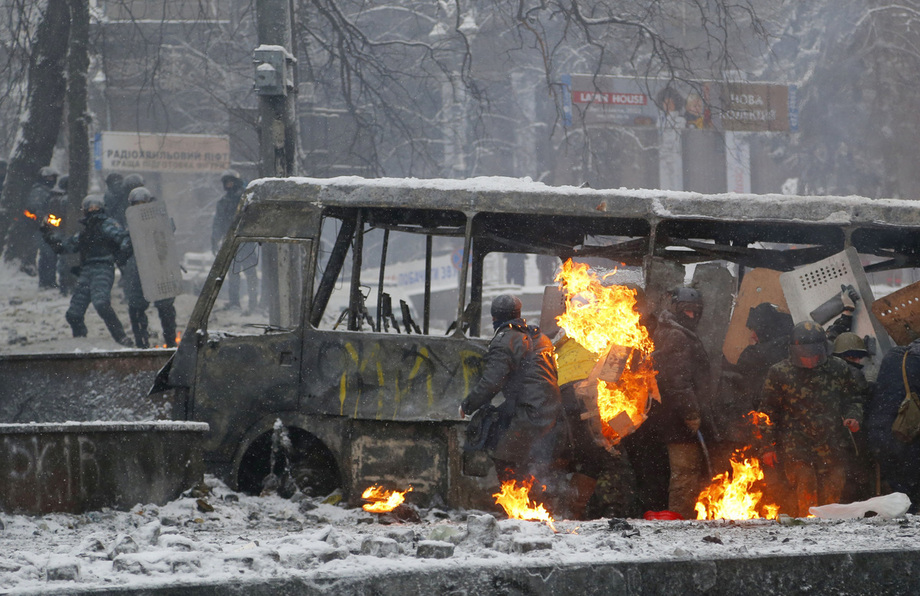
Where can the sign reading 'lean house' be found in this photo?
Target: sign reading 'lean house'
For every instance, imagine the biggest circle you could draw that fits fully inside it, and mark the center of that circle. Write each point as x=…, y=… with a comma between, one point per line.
x=145, y=152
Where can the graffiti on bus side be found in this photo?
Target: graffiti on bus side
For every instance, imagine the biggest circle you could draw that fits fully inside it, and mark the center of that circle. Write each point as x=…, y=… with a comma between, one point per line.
x=379, y=375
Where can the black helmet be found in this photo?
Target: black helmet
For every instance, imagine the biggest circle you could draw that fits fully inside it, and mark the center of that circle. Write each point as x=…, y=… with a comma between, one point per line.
x=809, y=345
x=63, y=182
x=687, y=306
x=92, y=203
x=230, y=175
x=114, y=179
x=768, y=322
x=506, y=307
x=133, y=181
x=140, y=195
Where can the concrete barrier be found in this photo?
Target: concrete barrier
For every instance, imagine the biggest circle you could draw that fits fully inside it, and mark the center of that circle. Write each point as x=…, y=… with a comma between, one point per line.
x=82, y=386
x=868, y=573
x=81, y=466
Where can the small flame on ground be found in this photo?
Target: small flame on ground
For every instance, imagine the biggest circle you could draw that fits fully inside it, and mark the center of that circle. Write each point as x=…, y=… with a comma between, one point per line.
x=731, y=496
x=30, y=215
x=53, y=220
x=382, y=500
x=516, y=502
x=178, y=339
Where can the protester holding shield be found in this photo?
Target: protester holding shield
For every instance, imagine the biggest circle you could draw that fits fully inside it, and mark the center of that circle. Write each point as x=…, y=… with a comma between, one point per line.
x=134, y=286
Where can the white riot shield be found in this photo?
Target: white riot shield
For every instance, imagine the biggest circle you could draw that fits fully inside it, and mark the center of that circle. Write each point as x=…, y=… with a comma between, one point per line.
x=155, y=251
x=807, y=288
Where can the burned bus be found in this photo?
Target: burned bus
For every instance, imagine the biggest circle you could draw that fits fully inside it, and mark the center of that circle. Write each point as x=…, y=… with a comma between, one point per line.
x=371, y=329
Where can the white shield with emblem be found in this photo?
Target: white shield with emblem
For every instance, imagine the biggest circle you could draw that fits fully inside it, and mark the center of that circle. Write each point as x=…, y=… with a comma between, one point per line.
x=155, y=251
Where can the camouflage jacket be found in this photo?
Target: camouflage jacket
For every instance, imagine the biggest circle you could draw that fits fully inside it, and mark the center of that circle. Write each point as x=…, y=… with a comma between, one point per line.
x=807, y=408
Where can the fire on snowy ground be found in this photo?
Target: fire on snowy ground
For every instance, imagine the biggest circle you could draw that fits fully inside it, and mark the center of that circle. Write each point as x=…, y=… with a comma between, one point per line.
x=213, y=533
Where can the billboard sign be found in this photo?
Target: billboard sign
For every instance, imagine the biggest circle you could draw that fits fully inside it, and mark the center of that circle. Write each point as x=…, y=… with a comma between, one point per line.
x=637, y=103
x=145, y=152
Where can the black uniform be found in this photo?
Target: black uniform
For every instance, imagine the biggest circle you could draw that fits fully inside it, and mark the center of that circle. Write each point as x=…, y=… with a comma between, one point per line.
x=99, y=244
x=116, y=200
x=39, y=203
x=137, y=308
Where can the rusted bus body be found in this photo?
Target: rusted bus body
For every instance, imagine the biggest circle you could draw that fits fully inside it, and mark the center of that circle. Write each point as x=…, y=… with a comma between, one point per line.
x=365, y=403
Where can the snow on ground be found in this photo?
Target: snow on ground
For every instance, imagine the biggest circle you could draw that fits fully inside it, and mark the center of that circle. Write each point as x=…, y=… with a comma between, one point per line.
x=32, y=320
x=221, y=535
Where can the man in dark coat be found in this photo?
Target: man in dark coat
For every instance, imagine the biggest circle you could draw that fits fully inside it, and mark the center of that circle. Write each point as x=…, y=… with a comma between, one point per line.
x=61, y=208
x=39, y=203
x=684, y=383
x=899, y=463
x=115, y=195
x=814, y=403
x=223, y=219
x=520, y=365
x=99, y=244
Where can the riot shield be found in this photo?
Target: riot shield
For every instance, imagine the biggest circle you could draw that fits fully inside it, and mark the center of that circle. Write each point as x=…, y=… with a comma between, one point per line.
x=155, y=251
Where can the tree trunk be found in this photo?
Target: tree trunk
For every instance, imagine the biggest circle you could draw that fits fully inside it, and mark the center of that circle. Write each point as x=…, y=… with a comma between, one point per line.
x=78, y=118
x=38, y=130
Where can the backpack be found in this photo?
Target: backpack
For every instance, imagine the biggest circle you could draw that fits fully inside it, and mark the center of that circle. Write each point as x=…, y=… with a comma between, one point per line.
x=486, y=427
x=906, y=425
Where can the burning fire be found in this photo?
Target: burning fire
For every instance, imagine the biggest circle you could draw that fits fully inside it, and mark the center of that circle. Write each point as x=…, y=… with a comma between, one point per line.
x=178, y=339
x=51, y=219
x=516, y=502
x=381, y=500
x=758, y=418
x=733, y=497
x=604, y=320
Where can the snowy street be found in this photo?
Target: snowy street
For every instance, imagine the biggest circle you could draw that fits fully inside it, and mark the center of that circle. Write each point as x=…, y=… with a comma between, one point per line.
x=262, y=539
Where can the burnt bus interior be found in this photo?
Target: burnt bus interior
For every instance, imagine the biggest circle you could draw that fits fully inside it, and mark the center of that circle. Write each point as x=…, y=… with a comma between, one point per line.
x=360, y=247
x=398, y=272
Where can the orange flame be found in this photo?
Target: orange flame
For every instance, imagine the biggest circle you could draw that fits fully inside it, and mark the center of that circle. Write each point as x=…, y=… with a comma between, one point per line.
x=178, y=339
x=381, y=500
x=604, y=320
x=734, y=498
x=30, y=215
x=516, y=502
x=53, y=219
x=758, y=418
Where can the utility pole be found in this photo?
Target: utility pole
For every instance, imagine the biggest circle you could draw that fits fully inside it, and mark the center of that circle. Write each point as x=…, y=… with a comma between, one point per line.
x=275, y=84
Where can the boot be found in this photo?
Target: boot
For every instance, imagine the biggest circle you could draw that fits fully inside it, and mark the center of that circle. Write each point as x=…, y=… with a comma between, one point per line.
x=581, y=488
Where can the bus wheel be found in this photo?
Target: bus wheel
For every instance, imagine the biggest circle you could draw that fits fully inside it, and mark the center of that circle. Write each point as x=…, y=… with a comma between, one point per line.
x=309, y=464
x=313, y=465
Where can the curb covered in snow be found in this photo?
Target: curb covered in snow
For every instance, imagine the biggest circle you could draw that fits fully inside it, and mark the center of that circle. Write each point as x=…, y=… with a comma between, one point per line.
x=871, y=573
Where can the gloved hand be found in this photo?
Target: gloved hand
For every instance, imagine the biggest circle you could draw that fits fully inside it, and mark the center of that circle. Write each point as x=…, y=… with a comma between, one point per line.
x=769, y=458
x=851, y=424
x=849, y=296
